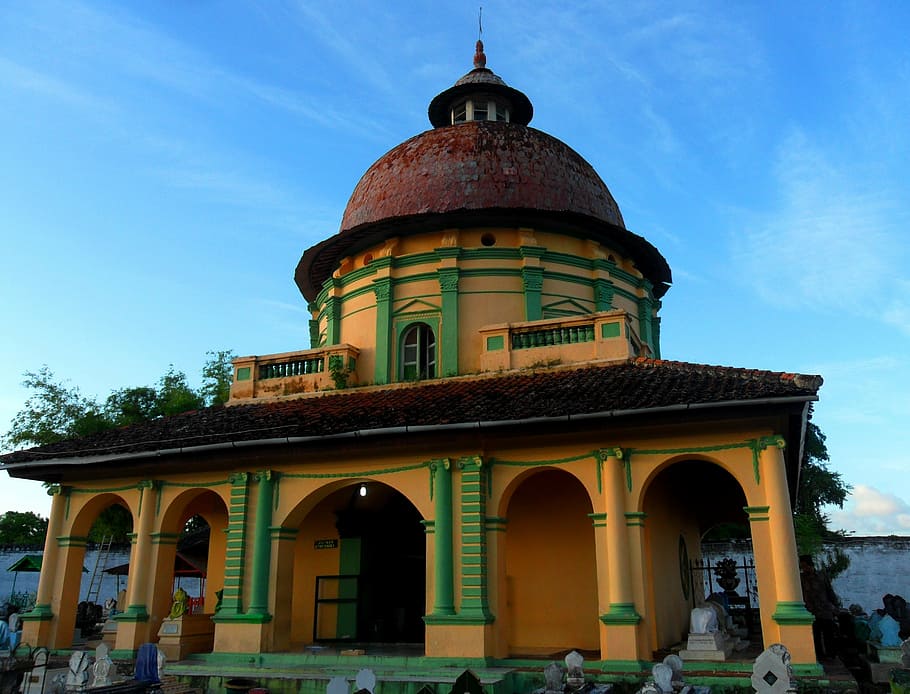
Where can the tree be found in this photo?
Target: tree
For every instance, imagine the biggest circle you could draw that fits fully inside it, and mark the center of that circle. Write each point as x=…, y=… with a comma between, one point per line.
x=819, y=486
x=24, y=528
x=217, y=375
x=115, y=522
x=55, y=412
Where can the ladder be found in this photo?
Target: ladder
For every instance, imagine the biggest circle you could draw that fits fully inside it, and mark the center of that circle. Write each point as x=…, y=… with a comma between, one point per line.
x=97, y=578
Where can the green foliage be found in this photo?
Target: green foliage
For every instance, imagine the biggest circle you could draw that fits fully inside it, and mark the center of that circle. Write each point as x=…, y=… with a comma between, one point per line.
x=24, y=528
x=217, y=376
x=55, y=412
x=115, y=522
x=818, y=486
x=338, y=373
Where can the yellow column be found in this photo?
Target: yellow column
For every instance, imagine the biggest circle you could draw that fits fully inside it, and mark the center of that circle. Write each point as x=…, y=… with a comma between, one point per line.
x=619, y=637
x=793, y=620
x=133, y=624
x=37, y=623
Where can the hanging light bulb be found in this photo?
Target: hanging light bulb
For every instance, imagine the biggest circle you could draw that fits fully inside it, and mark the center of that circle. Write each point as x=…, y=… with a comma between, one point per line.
x=363, y=490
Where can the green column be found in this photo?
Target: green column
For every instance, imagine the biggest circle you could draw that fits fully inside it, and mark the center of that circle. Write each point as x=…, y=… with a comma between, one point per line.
x=333, y=320
x=645, y=316
x=232, y=598
x=383, y=289
x=444, y=604
x=532, y=279
x=448, y=286
x=262, y=547
x=313, y=308
x=603, y=294
x=474, y=603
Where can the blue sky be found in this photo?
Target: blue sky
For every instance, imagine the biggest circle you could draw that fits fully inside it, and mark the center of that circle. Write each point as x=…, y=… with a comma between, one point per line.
x=163, y=165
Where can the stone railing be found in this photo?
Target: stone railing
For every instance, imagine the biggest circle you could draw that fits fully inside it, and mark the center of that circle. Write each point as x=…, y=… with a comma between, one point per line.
x=605, y=335
x=291, y=373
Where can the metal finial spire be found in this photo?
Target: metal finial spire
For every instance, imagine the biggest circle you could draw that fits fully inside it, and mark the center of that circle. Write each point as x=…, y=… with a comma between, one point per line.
x=480, y=59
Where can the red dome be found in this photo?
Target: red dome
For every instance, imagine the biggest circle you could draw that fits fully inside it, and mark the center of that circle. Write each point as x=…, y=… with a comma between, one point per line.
x=478, y=173
x=477, y=166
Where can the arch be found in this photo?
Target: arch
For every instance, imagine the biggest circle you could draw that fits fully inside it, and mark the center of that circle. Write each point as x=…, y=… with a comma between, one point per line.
x=681, y=501
x=720, y=462
x=513, y=484
x=206, y=551
x=417, y=352
x=549, y=565
x=368, y=551
x=71, y=562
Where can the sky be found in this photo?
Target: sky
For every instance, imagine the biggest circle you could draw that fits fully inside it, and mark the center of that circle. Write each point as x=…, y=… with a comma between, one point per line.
x=164, y=164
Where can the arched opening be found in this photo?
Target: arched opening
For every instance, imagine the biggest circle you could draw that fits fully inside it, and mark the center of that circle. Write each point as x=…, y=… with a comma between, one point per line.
x=551, y=575
x=683, y=502
x=99, y=535
x=418, y=353
x=359, y=569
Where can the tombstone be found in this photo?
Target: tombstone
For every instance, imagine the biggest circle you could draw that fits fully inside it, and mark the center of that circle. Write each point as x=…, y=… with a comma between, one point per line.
x=703, y=620
x=575, y=674
x=77, y=677
x=552, y=675
x=467, y=683
x=337, y=685
x=101, y=670
x=15, y=622
x=675, y=663
x=35, y=683
x=663, y=677
x=771, y=673
x=365, y=682
x=706, y=639
x=905, y=654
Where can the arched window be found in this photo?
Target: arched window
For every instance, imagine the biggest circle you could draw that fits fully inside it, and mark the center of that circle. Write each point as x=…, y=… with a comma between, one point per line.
x=418, y=353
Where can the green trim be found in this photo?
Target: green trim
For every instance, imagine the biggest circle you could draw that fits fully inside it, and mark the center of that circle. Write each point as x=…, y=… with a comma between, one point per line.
x=243, y=373
x=223, y=616
x=495, y=343
x=279, y=533
x=443, y=569
x=532, y=283
x=123, y=654
x=134, y=613
x=404, y=322
x=72, y=541
x=236, y=542
x=262, y=545
x=599, y=520
x=635, y=518
x=163, y=538
x=757, y=513
x=39, y=613
x=791, y=613
x=609, y=330
x=333, y=318
x=474, y=593
x=458, y=619
x=350, y=475
x=490, y=253
x=447, y=361
x=621, y=613
x=383, y=289
x=604, y=290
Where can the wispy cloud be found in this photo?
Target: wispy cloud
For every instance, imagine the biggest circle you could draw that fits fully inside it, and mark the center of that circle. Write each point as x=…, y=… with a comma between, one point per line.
x=16, y=76
x=869, y=511
x=828, y=245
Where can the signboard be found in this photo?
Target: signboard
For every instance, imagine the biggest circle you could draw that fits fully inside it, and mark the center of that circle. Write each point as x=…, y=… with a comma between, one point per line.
x=325, y=544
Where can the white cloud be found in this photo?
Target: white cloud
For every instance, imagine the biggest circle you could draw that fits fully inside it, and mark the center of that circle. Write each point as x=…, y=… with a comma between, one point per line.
x=869, y=511
x=830, y=244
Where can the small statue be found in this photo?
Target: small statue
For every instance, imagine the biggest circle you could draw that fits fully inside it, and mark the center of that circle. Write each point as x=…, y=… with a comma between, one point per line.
x=181, y=604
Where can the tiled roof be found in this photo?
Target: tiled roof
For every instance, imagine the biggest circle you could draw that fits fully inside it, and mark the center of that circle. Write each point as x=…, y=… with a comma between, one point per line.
x=639, y=384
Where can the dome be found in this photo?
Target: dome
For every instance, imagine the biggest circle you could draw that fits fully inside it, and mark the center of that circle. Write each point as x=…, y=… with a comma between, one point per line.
x=478, y=169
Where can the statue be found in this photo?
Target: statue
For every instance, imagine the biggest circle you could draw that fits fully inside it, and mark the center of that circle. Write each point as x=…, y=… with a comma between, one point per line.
x=181, y=604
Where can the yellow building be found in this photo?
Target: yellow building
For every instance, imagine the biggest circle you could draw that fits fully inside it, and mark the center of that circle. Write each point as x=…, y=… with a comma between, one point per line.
x=482, y=453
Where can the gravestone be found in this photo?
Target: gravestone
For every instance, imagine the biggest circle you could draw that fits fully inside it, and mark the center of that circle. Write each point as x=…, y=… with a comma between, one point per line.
x=905, y=654
x=575, y=674
x=552, y=675
x=675, y=663
x=771, y=673
x=77, y=676
x=101, y=670
x=365, y=682
x=663, y=677
x=337, y=685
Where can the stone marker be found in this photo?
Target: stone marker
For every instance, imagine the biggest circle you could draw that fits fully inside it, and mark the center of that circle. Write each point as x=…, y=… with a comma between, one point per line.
x=771, y=673
x=101, y=670
x=337, y=685
x=365, y=681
